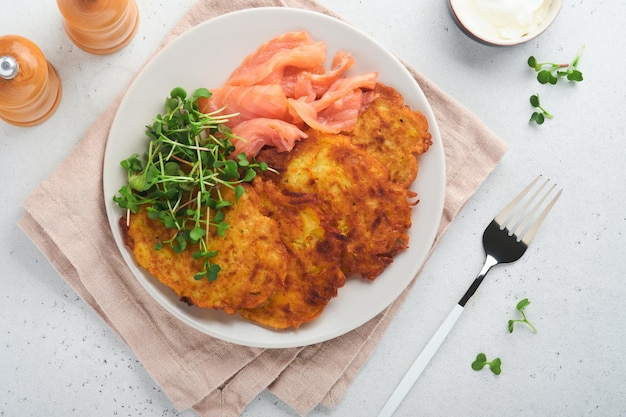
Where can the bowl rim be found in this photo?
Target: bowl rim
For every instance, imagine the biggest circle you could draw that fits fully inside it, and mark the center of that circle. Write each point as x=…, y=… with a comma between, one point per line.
x=553, y=12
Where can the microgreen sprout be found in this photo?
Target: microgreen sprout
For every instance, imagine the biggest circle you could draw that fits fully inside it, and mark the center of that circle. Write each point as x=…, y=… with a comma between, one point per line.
x=541, y=114
x=183, y=177
x=550, y=72
x=481, y=361
x=520, y=307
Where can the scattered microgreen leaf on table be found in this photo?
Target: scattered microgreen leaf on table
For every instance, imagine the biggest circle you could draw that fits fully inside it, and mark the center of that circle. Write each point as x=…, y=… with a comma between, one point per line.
x=550, y=72
x=183, y=175
x=540, y=115
x=520, y=307
x=481, y=361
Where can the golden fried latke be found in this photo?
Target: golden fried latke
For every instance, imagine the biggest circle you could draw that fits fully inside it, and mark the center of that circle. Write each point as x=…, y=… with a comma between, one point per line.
x=251, y=255
x=393, y=134
x=337, y=207
x=370, y=211
x=313, y=270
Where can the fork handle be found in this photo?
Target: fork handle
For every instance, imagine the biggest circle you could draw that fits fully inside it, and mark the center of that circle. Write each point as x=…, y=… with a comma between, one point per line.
x=433, y=345
x=420, y=363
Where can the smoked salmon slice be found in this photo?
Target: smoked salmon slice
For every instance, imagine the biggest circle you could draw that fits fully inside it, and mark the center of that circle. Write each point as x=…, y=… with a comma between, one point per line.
x=266, y=101
x=339, y=116
x=314, y=85
x=267, y=64
x=338, y=109
x=256, y=133
x=286, y=86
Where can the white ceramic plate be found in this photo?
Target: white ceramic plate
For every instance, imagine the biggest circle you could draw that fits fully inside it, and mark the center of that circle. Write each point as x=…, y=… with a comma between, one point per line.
x=204, y=57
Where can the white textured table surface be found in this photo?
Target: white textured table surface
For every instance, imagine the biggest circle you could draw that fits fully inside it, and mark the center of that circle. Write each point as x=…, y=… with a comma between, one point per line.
x=58, y=359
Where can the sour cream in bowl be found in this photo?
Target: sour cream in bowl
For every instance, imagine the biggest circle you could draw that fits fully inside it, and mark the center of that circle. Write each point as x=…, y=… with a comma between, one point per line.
x=504, y=22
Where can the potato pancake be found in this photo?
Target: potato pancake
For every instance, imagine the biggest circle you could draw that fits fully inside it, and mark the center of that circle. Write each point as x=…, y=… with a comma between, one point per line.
x=335, y=206
x=313, y=271
x=246, y=279
x=392, y=133
x=370, y=211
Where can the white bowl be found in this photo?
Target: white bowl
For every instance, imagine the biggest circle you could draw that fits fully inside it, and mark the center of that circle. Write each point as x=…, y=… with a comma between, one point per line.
x=493, y=22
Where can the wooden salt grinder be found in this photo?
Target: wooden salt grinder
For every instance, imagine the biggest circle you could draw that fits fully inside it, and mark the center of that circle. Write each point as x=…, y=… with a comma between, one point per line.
x=30, y=89
x=100, y=26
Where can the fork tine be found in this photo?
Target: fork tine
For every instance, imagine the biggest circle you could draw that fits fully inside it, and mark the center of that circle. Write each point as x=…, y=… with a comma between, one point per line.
x=519, y=229
x=530, y=234
x=519, y=219
x=516, y=219
x=506, y=211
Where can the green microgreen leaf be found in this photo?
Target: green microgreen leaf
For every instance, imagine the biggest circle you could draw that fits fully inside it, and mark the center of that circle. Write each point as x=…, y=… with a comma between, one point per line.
x=212, y=272
x=520, y=307
x=522, y=304
x=222, y=227
x=196, y=234
x=496, y=366
x=537, y=117
x=239, y=190
x=178, y=92
x=219, y=216
x=181, y=176
x=546, y=77
x=179, y=244
x=575, y=75
x=223, y=203
x=133, y=164
x=201, y=93
x=534, y=100
x=481, y=361
x=242, y=160
x=249, y=175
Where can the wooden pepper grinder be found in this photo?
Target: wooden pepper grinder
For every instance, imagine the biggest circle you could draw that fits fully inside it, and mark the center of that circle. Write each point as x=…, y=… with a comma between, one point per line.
x=100, y=26
x=30, y=89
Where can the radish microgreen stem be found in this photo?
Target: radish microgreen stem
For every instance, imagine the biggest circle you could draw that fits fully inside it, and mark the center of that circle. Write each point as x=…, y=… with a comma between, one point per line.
x=520, y=307
x=550, y=72
x=540, y=115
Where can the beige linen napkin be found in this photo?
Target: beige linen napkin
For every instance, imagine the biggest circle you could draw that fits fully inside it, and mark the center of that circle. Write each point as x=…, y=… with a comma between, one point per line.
x=65, y=217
